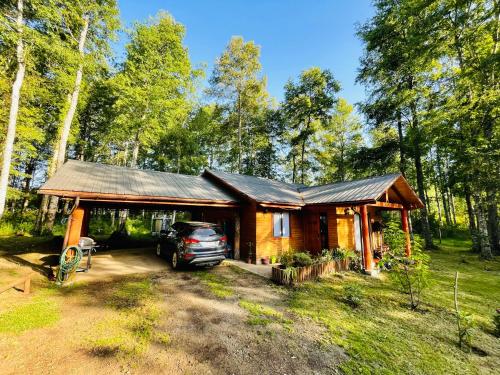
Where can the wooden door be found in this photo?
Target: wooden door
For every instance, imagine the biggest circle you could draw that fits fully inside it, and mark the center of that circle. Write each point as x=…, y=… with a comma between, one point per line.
x=313, y=237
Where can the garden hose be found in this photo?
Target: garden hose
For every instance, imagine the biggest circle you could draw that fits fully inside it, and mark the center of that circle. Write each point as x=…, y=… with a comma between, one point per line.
x=68, y=262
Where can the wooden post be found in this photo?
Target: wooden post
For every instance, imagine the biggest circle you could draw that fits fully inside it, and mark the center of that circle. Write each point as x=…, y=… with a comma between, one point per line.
x=86, y=222
x=406, y=229
x=236, y=250
x=367, y=250
x=75, y=223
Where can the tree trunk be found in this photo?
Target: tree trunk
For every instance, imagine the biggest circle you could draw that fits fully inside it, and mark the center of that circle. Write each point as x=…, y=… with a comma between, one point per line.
x=60, y=157
x=239, y=131
x=135, y=151
x=440, y=217
x=452, y=207
x=14, y=109
x=472, y=219
x=73, y=98
x=493, y=221
x=482, y=232
x=303, y=151
x=30, y=168
x=294, y=168
x=421, y=193
x=402, y=156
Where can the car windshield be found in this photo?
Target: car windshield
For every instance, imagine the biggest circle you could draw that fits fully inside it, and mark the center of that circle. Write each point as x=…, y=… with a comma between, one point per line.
x=207, y=232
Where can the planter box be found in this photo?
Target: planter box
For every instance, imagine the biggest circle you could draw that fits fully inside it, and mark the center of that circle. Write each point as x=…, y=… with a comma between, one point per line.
x=308, y=272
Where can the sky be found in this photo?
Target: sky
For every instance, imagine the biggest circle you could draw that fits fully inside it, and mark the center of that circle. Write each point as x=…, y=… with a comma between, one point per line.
x=293, y=34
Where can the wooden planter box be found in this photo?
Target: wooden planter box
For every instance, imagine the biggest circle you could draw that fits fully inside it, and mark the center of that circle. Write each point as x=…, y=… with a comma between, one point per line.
x=309, y=272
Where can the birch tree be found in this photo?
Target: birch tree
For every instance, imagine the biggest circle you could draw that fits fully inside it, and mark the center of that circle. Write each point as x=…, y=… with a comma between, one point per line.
x=14, y=106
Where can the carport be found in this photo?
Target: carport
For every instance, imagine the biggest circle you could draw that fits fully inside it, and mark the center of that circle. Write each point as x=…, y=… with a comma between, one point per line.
x=93, y=185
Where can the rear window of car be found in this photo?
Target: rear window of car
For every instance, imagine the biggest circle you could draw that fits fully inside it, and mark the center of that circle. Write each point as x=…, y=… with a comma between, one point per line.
x=207, y=231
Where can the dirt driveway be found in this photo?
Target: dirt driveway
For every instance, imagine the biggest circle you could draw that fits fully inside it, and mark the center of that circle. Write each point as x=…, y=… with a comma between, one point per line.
x=220, y=321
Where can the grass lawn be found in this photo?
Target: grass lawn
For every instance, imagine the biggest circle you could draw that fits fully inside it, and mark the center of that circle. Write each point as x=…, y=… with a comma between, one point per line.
x=384, y=336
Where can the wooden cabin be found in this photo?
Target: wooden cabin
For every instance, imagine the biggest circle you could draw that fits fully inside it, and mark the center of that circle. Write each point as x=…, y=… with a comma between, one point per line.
x=262, y=217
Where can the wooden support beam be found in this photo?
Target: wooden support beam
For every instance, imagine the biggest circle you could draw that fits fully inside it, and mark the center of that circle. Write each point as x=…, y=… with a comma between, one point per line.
x=86, y=222
x=365, y=230
x=406, y=229
x=393, y=206
x=75, y=223
x=237, y=236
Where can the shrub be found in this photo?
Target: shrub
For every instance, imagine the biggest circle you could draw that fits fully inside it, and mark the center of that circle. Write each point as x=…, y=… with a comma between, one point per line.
x=353, y=295
x=286, y=259
x=411, y=274
x=465, y=331
x=302, y=260
x=355, y=263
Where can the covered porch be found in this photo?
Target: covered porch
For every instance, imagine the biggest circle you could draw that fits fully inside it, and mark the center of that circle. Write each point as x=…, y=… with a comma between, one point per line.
x=358, y=224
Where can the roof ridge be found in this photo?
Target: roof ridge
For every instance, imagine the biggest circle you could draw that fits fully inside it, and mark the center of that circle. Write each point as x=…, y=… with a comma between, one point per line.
x=256, y=177
x=346, y=182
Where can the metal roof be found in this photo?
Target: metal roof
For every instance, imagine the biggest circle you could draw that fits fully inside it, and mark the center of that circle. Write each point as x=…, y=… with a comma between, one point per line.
x=79, y=176
x=261, y=189
x=96, y=181
x=367, y=189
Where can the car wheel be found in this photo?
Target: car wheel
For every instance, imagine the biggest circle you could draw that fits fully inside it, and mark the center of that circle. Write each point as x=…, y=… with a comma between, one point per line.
x=158, y=250
x=175, y=260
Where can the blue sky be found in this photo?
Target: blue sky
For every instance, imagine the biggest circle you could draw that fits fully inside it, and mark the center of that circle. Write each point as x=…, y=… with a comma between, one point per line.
x=293, y=34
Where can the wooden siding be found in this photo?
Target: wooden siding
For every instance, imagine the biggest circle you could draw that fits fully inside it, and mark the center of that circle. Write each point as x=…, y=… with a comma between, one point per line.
x=247, y=230
x=267, y=244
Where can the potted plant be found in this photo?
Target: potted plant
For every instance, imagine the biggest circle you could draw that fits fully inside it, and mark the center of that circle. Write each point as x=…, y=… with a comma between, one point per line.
x=273, y=259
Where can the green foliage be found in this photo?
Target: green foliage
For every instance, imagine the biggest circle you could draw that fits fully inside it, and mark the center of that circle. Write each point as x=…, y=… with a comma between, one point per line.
x=240, y=92
x=466, y=331
x=156, y=81
x=385, y=337
x=353, y=294
x=308, y=104
x=410, y=274
x=302, y=260
x=338, y=141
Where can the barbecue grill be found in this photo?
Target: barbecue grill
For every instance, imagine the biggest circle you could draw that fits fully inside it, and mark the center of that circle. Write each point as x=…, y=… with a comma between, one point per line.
x=87, y=245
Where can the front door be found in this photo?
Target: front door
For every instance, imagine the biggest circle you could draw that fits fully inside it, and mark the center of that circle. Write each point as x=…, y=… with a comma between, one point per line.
x=323, y=230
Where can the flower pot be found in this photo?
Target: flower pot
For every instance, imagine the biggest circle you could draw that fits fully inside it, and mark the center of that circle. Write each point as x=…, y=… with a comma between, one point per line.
x=249, y=260
x=265, y=260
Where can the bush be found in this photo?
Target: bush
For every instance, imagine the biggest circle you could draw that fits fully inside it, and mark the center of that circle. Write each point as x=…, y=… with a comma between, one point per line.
x=302, y=260
x=353, y=295
x=343, y=254
x=465, y=331
x=286, y=259
x=411, y=274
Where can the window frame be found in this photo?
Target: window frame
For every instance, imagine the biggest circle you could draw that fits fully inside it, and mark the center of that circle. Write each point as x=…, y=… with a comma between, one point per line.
x=282, y=233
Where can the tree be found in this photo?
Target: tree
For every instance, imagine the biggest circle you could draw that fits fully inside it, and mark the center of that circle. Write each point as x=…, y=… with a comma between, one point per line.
x=308, y=103
x=339, y=139
x=398, y=68
x=94, y=23
x=236, y=84
x=153, y=87
x=14, y=106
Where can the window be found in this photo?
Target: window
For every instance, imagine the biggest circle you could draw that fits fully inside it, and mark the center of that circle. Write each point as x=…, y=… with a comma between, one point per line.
x=281, y=224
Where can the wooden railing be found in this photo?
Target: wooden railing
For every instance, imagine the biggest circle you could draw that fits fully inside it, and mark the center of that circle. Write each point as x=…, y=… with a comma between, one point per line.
x=26, y=280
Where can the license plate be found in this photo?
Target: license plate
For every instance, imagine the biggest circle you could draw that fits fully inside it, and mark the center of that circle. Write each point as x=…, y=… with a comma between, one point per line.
x=208, y=243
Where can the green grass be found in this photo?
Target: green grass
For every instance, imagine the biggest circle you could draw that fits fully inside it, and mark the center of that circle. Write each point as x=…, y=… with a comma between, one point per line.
x=40, y=312
x=218, y=285
x=383, y=336
x=129, y=332
x=263, y=315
